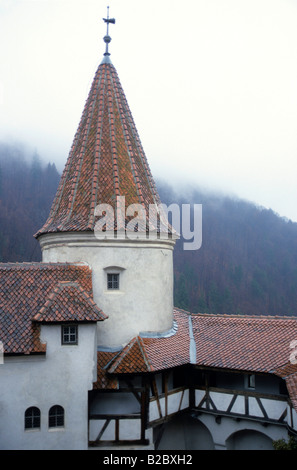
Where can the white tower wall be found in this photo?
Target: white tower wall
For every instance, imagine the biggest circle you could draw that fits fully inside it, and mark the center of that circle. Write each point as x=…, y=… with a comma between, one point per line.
x=144, y=300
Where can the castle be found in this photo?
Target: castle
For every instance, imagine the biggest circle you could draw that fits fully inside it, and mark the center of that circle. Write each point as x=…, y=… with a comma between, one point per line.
x=95, y=355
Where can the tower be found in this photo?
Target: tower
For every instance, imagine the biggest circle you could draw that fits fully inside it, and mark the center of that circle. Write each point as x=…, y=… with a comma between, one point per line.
x=107, y=213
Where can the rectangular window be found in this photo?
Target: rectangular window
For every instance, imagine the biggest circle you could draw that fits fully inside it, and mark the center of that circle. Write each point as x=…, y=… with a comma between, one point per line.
x=69, y=334
x=113, y=281
x=251, y=381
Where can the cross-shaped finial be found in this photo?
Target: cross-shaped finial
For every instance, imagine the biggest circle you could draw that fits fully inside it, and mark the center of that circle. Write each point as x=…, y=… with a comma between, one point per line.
x=107, y=38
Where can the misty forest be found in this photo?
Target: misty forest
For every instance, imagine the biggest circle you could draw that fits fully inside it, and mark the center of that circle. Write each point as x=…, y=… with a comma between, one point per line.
x=247, y=263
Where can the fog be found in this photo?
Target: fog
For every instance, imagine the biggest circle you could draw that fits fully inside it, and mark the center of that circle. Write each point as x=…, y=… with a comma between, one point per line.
x=211, y=85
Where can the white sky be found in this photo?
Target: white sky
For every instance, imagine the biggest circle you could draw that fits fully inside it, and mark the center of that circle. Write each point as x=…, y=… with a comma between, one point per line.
x=212, y=85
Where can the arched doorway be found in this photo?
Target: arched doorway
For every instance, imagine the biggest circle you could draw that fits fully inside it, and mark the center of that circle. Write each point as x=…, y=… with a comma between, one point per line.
x=249, y=440
x=183, y=433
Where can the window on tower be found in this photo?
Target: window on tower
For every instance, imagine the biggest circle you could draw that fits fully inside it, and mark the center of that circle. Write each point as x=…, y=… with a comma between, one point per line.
x=113, y=281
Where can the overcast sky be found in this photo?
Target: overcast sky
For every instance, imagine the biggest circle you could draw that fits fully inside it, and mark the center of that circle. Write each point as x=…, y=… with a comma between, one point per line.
x=212, y=85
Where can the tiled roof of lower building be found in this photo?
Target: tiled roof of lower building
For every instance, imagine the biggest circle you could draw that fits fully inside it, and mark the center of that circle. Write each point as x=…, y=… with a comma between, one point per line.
x=251, y=343
x=29, y=290
x=68, y=301
x=255, y=344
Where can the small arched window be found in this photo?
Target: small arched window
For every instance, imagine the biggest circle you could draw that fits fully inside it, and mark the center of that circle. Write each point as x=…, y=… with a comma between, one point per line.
x=32, y=418
x=113, y=275
x=56, y=417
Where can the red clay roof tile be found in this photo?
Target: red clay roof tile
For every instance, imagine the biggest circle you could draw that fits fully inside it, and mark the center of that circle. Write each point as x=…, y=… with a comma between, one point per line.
x=132, y=359
x=106, y=160
x=255, y=343
x=69, y=302
x=105, y=381
x=31, y=289
x=222, y=341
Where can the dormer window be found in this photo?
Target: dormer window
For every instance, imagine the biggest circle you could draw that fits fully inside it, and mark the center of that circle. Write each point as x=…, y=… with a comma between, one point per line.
x=113, y=281
x=69, y=334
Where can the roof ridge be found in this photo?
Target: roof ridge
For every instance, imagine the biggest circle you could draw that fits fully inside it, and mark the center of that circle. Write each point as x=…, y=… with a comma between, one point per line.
x=41, y=265
x=96, y=164
x=243, y=316
x=127, y=138
x=124, y=353
x=144, y=352
x=89, y=111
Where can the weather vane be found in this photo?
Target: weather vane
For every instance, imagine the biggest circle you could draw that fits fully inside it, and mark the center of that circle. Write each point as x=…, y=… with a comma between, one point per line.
x=107, y=38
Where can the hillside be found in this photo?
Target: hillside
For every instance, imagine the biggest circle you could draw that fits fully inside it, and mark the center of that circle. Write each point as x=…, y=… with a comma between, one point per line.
x=247, y=262
x=27, y=188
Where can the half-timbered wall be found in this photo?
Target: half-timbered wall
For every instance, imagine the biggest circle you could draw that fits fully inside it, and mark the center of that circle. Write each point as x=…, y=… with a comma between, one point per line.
x=225, y=403
x=263, y=398
x=119, y=416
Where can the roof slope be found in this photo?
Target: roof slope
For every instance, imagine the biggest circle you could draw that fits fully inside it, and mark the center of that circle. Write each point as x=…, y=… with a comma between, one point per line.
x=248, y=343
x=69, y=302
x=106, y=160
x=29, y=290
x=251, y=343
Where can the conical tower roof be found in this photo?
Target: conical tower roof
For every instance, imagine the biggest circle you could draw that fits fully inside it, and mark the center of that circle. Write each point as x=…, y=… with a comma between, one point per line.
x=106, y=159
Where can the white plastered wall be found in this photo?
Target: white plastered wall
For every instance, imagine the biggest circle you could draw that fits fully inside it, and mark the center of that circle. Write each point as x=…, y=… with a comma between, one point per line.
x=62, y=377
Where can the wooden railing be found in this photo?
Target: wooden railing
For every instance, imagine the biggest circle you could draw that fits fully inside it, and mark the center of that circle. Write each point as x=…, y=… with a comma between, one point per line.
x=242, y=404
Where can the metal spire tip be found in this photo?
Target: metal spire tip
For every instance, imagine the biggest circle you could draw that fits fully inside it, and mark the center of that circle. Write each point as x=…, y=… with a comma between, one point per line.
x=107, y=38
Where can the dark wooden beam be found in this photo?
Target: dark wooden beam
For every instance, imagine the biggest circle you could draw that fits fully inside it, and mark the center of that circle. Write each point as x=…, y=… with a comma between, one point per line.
x=115, y=416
